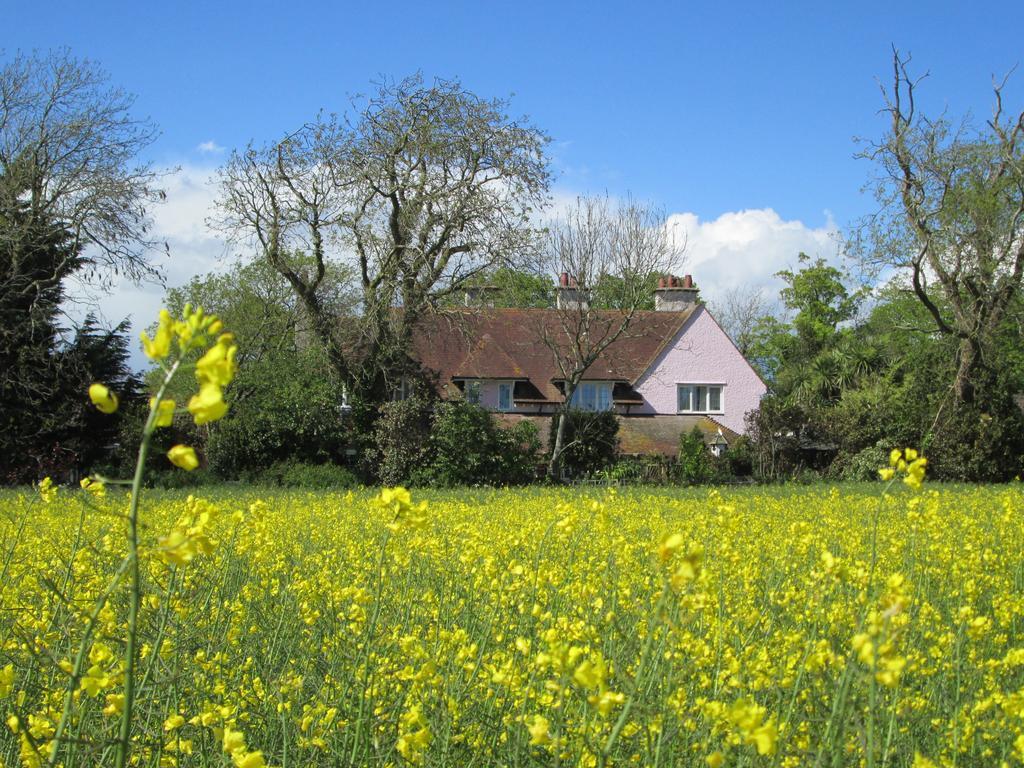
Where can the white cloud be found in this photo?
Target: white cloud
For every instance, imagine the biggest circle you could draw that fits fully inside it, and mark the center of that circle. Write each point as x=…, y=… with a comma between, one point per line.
x=210, y=147
x=747, y=248
x=192, y=249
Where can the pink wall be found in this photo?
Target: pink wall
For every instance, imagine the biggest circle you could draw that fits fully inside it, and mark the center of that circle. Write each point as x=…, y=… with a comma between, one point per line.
x=702, y=353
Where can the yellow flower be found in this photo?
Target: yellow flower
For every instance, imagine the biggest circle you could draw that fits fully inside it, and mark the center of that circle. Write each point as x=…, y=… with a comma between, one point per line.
x=670, y=546
x=94, y=486
x=243, y=759
x=588, y=675
x=217, y=366
x=47, y=490
x=115, y=704
x=208, y=405
x=183, y=456
x=886, y=473
x=159, y=346
x=765, y=737
x=894, y=457
x=539, y=731
x=233, y=740
x=715, y=760
x=173, y=722
x=165, y=412
x=104, y=400
x=6, y=681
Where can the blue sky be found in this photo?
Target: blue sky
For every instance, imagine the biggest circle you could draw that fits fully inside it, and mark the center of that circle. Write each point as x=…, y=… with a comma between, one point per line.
x=715, y=112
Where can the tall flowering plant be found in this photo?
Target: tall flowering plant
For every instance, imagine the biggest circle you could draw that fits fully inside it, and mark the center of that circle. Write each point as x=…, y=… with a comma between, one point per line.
x=175, y=342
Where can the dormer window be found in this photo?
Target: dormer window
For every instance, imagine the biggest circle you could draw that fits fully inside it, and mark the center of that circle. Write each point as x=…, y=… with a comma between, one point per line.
x=505, y=396
x=593, y=396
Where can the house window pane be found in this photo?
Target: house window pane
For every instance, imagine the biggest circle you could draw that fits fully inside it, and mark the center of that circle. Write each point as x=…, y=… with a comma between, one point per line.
x=701, y=398
x=604, y=397
x=714, y=398
x=473, y=392
x=505, y=397
x=589, y=400
x=685, y=398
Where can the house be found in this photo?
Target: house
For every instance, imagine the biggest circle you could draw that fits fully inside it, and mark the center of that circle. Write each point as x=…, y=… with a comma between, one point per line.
x=673, y=369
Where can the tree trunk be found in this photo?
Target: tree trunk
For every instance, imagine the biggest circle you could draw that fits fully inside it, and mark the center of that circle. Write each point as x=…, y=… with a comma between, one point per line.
x=968, y=361
x=556, y=449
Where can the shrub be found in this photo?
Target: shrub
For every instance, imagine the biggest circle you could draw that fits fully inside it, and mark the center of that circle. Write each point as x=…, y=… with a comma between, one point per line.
x=467, y=447
x=399, y=440
x=592, y=440
x=864, y=465
x=696, y=464
x=739, y=458
x=172, y=478
x=297, y=474
x=643, y=469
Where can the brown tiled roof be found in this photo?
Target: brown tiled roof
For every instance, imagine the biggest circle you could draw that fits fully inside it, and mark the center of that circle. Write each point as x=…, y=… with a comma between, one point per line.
x=510, y=344
x=660, y=434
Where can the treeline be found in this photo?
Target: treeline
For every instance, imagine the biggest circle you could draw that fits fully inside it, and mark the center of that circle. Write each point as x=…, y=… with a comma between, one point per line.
x=851, y=375
x=424, y=189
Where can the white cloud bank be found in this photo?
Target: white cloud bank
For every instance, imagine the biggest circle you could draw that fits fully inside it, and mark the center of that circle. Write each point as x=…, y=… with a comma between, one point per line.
x=742, y=248
x=747, y=248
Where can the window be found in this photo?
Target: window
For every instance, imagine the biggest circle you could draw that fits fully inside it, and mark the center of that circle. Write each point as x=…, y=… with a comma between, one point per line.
x=700, y=398
x=402, y=390
x=505, y=396
x=593, y=396
x=472, y=391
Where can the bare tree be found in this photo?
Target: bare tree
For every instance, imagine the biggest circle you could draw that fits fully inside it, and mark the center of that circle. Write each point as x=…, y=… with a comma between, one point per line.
x=952, y=217
x=70, y=140
x=739, y=312
x=622, y=247
x=424, y=188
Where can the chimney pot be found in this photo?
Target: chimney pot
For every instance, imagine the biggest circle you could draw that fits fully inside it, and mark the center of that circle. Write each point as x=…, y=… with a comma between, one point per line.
x=675, y=294
x=563, y=279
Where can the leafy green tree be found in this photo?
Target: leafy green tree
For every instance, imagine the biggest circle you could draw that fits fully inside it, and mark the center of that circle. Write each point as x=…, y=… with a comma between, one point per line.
x=286, y=403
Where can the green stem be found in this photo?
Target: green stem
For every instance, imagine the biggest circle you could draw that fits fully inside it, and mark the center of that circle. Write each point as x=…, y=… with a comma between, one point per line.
x=135, y=598
x=76, y=670
x=644, y=657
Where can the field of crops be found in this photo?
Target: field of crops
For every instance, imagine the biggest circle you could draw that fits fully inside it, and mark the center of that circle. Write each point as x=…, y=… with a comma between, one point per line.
x=789, y=627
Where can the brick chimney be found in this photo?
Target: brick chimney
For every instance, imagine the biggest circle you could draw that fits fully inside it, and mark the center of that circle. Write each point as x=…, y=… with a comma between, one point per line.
x=568, y=294
x=674, y=294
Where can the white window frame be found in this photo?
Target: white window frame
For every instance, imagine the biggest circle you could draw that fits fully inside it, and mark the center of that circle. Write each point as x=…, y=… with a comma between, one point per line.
x=403, y=391
x=592, y=395
x=510, y=387
x=694, y=388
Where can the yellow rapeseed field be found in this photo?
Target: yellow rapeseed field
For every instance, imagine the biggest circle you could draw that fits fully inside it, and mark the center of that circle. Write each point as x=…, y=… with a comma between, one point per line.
x=759, y=627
